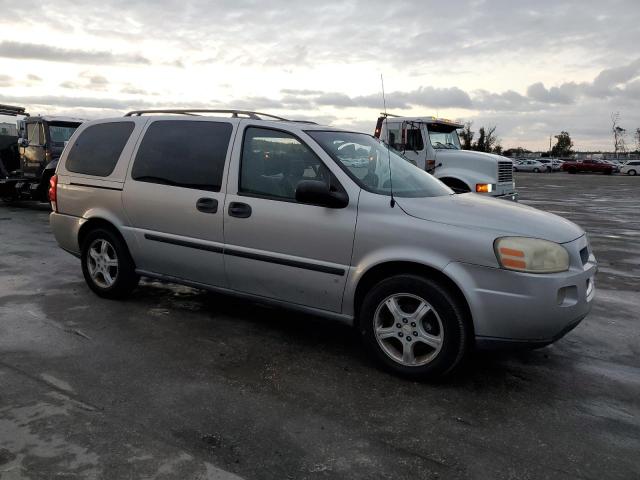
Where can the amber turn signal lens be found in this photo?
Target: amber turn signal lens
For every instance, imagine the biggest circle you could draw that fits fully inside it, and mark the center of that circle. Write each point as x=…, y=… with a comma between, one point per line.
x=484, y=187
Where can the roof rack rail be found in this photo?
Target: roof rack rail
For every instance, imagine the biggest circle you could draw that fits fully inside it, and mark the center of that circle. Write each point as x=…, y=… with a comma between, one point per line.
x=385, y=114
x=12, y=111
x=195, y=111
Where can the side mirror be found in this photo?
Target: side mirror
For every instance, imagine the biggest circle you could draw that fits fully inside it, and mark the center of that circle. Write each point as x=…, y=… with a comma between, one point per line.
x=316, y=192
x=23, y=142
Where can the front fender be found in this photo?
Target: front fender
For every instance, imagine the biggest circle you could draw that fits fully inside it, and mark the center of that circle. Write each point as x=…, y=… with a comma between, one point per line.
x=418, y=256
x=469, y=177
x=52, y=165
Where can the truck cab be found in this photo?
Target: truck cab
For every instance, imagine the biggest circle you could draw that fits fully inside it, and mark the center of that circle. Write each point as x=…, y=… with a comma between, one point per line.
x=433, y=145
x=40, y=142
x=43, y=141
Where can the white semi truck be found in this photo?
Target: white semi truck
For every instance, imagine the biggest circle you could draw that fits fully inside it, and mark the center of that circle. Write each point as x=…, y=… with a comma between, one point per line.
x=433, y=145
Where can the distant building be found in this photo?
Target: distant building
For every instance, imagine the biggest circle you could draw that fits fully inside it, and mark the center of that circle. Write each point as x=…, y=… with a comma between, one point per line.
x=607, y=156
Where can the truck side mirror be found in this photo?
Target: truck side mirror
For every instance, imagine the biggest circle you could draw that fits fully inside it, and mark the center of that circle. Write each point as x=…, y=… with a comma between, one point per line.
x=23, y=142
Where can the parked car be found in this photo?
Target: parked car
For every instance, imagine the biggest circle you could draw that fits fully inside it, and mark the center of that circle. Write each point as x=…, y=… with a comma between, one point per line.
x=552, y=164
x=595, y=166
x=276, y=211
x=632, y=167
x=614, y=165
x=530, y=166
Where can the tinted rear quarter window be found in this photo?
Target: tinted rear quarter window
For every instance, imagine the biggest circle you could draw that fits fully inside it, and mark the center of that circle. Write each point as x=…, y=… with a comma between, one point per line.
x=97, y=149
x=183, y=153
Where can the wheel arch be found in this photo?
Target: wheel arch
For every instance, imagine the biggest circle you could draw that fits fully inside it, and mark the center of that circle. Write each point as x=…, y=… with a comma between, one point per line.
x=455, y=183
x=97, y=222
x=387, y=269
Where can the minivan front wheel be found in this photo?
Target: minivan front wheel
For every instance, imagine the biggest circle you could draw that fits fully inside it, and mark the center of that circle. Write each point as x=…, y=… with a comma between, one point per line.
x=107, y=265
x=414, y=327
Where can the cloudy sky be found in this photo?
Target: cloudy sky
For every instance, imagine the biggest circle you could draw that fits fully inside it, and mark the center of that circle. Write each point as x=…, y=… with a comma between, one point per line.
x=532, y=68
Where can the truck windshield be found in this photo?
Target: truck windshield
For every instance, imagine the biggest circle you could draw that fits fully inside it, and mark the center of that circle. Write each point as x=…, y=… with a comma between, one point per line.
x=367, y=160
x=61, y=132
x=443, y=136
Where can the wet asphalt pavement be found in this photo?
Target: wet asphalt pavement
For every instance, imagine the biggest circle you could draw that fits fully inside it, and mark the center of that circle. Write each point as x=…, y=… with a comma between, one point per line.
x=180, y=383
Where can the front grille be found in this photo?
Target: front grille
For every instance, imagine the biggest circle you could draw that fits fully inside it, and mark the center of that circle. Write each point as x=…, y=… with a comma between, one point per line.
x=584, y=255
x=505, y=172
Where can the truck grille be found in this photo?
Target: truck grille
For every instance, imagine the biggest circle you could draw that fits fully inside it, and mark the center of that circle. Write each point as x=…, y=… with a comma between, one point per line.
x=505, y=172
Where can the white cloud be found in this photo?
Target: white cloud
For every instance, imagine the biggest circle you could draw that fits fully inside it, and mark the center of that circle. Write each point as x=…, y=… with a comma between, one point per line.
x=532, y=70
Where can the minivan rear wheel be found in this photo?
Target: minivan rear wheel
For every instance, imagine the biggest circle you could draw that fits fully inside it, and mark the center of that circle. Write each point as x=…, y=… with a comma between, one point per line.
x=414, y=327
x=107, y=265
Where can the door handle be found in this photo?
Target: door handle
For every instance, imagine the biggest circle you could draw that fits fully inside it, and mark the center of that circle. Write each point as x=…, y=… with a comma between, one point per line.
x=239, y=210
x=207, y=205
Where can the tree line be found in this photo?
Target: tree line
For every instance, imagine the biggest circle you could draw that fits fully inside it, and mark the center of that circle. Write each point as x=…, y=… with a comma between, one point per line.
x=487, y=140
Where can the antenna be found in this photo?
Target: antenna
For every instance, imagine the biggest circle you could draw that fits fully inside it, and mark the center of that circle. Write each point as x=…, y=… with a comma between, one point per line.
x=392, y=203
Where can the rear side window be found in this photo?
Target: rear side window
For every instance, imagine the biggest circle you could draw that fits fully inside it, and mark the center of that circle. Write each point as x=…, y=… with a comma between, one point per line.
x=182, y=153
x=97, y=149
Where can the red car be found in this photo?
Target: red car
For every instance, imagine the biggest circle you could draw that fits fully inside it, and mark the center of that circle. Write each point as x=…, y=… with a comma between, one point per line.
x=595, y=166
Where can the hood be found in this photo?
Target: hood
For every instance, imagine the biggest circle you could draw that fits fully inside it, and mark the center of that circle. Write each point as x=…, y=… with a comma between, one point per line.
x=483, y=212
x=471, y=155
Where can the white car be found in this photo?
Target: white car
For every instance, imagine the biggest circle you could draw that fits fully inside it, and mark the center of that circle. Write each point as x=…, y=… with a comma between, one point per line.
x=552, y=164
x=530, y=166
x=631, y=168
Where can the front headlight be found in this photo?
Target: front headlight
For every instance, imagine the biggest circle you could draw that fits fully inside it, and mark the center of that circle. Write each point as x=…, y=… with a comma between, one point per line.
x=531, y=255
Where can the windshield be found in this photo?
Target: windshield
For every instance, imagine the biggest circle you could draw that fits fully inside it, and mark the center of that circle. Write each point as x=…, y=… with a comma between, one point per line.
x=443, y=136
x=367, y=161
x=61, y=133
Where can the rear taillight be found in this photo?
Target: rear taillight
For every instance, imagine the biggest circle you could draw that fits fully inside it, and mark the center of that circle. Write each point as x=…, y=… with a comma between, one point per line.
x=53, y=192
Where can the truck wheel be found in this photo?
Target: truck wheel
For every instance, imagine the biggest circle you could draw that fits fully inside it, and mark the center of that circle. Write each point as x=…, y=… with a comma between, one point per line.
x=414, y=327
x=631, y=172
x=107, y=265
x=608, y=172
x=573, y=170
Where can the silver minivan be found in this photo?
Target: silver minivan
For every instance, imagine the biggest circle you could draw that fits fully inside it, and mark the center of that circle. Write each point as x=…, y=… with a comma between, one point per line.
x=322, y=220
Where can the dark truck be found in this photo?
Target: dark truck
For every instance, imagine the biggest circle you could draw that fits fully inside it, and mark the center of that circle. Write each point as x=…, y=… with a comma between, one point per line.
x=29, y=160
x=595, y=166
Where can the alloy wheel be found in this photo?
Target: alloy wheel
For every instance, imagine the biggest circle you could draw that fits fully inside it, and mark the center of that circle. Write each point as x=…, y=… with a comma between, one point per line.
x=408, y=329
x=102, y=263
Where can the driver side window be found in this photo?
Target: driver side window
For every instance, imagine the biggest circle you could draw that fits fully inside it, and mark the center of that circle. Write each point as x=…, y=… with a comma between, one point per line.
x=274, y=162
x=35, y=135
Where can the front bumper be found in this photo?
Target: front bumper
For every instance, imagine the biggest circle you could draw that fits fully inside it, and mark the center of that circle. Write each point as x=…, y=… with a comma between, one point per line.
x=513, y=196
x=506, y=191
x=510, y=308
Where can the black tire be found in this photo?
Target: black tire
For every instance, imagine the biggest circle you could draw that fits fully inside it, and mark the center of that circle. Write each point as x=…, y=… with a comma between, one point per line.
x=125, y=278
x=43, y=190
x=632, y=172
x=573, y=170
x=536, y=170
x=456, y=332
